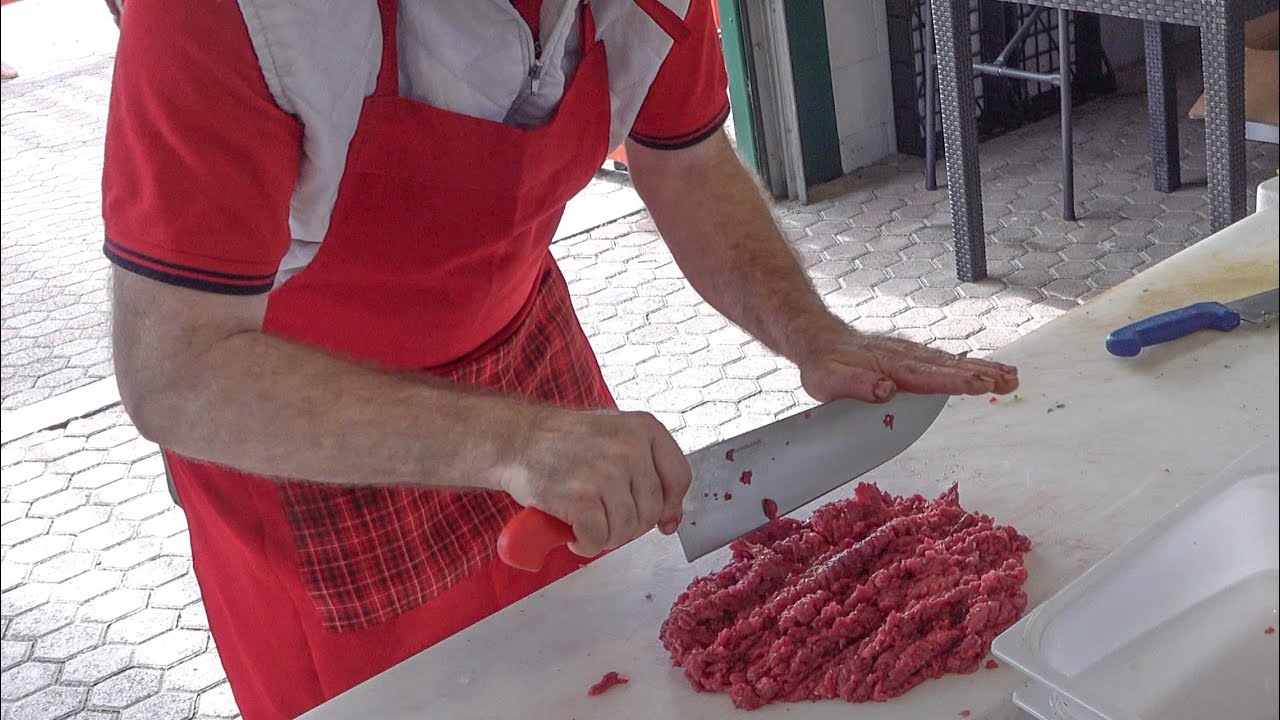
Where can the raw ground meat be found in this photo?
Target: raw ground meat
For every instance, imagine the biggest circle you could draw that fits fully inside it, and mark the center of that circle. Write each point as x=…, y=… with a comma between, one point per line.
x=610, y=680
x=869, y=598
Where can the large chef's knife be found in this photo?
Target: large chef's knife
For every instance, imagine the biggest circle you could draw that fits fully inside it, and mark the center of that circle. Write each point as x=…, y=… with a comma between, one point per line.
x=773, y=469
x=1258, y=309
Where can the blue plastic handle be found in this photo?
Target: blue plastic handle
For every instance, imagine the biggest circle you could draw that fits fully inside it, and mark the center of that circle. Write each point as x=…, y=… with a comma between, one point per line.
x=1129, y=340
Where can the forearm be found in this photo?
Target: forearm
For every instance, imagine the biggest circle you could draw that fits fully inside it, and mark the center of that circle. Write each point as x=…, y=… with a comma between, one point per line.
x=268, y=406
x=718, y=225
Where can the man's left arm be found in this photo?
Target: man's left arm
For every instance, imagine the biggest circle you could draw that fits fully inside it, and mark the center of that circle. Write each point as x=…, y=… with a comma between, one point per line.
x=714, y=217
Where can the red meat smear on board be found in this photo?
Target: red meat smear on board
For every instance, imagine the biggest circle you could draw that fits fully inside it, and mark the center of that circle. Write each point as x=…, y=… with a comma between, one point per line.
x=992, y=665
x=648, y=596
x=866, y=599
x=729, y=455
x=746, y=477
x=770, y=508
x=964, y=713
x=888, y=420
x=807, y=414
x=1269, y=631
x=728, y=496
x=993, y=400
x=610, y=680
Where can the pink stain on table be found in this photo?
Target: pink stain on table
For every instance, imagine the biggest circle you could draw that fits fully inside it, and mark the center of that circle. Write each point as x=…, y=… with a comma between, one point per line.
x=610, y=680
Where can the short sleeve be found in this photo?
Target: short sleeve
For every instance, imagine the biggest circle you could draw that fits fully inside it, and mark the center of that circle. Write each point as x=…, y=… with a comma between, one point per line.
x=688, y=100
x=200, y=162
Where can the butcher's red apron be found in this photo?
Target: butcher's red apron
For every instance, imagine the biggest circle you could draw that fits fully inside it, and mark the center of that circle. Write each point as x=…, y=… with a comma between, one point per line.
x=436, y=260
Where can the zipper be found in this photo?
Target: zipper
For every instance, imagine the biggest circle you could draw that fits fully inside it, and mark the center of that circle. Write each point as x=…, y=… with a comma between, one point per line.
x=534, y=47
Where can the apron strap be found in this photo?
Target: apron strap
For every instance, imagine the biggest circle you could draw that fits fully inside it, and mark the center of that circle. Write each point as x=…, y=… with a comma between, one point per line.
x=586, y=26
x=389, y=70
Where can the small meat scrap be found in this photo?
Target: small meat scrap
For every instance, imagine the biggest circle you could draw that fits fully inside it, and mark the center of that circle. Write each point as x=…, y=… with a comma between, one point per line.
x=770, y=507
x=888, y=420
x=746, y=477
x=648, y=596
x=728, y=496
x=991, y=665
x=868, y=598
x=807, y=414
x=610, y=680
x=994, y=400
x=1269, y=631
x=729, y=455
x=963, y=713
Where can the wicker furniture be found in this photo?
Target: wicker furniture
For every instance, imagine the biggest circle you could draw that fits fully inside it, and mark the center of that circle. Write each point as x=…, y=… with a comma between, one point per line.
x=1221, y=24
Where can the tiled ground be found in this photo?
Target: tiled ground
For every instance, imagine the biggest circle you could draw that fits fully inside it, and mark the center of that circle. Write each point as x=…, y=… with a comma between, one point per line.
x=101, y=618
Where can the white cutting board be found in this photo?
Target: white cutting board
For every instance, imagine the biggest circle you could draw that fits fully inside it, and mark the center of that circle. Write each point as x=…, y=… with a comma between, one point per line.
x=1133, y=437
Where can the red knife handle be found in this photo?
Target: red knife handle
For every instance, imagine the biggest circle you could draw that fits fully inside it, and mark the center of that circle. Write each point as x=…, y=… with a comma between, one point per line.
x=525, y=541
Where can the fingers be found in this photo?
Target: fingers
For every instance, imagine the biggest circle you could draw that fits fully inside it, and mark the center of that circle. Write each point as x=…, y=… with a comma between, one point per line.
x=674, y=476
x=590, y=529
x=840, y=381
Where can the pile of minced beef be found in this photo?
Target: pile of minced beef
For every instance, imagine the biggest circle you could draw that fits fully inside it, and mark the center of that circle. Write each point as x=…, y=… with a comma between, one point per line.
x=869, y=598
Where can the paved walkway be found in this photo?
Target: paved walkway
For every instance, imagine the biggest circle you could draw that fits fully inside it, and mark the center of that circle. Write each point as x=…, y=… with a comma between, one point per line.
x=101, y=615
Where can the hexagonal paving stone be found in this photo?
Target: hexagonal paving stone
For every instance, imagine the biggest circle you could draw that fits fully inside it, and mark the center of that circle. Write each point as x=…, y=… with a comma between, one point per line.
x=176, y=594
x=142, y=625
x=768, y=403
x=675, y=400
x=80, y=519
x=113, y=605
x=40, y=620
x=61, y=567
x=712, y=413
x=195, y=616
x=199, y=673
x=104, y=536
x=53, y=702
x=1067, y=288
x=750, y=368
x=26, y=679
x=122, y=690
x=24, y=529
x=63, y=644
x=956, y=328
x=165, y=706
x=217, y=702
x=33, y=490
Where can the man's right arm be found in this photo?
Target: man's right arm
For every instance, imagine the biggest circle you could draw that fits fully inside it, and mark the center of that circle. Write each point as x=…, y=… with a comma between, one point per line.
x=198, y=376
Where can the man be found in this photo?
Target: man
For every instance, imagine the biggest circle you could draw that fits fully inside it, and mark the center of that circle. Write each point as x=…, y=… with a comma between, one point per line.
x=335, y=308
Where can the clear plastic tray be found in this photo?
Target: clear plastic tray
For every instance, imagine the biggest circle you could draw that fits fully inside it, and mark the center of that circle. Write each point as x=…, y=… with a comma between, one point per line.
x=1173, y=624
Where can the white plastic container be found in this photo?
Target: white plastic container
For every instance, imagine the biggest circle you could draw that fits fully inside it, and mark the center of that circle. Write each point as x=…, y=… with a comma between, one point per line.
x=1173, y=624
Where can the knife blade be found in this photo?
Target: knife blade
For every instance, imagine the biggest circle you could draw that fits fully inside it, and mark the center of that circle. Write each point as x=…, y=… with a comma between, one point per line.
x=789, y=462
x=1257, y=309
x=793, y=461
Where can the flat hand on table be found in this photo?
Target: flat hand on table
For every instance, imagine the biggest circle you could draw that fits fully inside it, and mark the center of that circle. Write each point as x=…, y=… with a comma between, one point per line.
x=872, y=368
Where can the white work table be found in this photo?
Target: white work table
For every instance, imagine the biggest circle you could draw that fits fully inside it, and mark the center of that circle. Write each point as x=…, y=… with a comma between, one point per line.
x=1132, y=437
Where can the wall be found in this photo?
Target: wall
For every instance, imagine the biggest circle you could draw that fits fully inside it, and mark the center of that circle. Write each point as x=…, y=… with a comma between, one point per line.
x=859, y=51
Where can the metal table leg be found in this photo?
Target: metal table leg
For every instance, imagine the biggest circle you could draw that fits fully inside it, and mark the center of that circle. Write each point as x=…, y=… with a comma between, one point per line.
x=1222, y=46
x=1064, y=114
x=1162, y=107
x=930, y=99
x=960, y=132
